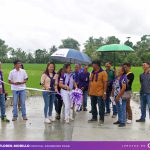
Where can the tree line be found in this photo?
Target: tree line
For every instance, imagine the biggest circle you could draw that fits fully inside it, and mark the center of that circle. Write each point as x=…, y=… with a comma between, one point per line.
x=141, y=54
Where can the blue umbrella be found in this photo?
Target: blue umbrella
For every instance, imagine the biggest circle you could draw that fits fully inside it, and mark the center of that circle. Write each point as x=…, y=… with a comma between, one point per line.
x=67, y=55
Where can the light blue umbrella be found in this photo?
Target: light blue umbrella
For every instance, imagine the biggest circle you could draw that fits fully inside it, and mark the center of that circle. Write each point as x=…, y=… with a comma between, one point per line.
x=67, y=55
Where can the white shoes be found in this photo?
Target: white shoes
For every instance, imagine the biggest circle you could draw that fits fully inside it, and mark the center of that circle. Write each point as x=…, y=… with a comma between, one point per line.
x=71, y=118
x=47, y=121
x=51, y=119
x=67, y=120
x=129, y=121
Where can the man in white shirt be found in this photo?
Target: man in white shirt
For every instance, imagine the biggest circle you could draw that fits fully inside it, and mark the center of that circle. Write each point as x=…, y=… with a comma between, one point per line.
x=18, y=78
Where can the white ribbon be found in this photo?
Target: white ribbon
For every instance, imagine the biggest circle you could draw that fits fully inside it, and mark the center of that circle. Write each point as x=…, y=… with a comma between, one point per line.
x=28, y=88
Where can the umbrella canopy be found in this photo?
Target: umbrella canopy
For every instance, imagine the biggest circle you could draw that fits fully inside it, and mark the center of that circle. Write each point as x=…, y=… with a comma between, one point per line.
x=70, y=56
x=115, y=48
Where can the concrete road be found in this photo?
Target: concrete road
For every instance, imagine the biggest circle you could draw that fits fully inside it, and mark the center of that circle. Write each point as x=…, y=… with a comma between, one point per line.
x=77, y=130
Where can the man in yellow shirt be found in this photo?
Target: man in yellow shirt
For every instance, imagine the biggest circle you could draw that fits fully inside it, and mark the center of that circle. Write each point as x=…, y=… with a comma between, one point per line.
x=97, y=91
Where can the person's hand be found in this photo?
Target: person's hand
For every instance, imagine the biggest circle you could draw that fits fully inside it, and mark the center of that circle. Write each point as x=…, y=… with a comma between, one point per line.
x=56, y=90
x=6, y=93
x=48, y=88
x=1, y=91
x=117, y=99
x=112, y=98
x=67, y=88
x=82, y=88
x=19, y=83
x=104, y=96
x=15, y=83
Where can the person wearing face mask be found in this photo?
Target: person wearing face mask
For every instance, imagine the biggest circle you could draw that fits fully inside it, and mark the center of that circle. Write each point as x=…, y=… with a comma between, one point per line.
x=111, y=77
x=49, y=82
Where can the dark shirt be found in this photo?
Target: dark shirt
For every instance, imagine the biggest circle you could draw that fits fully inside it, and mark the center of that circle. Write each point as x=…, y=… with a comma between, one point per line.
x=1, y=83
x=111, y=77
x=76, y=77
x=84, y=79
x=130, y=77
x=145, y=83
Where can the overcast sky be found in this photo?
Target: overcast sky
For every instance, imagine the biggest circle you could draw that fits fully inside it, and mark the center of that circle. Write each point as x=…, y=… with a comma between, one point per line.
x=32, y=24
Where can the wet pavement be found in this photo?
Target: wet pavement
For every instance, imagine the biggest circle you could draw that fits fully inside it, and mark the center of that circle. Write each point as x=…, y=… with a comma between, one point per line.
x=78, y=130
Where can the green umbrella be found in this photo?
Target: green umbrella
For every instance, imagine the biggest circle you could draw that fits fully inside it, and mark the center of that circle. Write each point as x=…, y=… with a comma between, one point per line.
x=115, y=48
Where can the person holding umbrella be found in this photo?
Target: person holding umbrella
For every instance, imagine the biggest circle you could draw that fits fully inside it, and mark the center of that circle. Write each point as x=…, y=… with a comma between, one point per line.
x=111, y=77
x=145, y=91
x=84, y=85
x=76, y=73
x=97, y=91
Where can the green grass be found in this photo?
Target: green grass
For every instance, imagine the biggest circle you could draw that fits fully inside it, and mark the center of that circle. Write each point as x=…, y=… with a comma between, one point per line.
x=34, y=72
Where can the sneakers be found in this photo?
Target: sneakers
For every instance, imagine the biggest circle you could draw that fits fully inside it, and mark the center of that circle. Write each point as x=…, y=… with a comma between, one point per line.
x=114, y=116
x=116, y=123
x=71, y=118
x=92, y=120
x=4, y=119
x=14, y=118
x=67, y=120
x=140, y=120
x=57, y=117
x=122, y=125
x=90, y=111
x=101, y=122
x=107, y=113
x=84, y=109
x=47, y=120
x=78, y=110
x=51, y=118
x=129, y=121
x=25, y=118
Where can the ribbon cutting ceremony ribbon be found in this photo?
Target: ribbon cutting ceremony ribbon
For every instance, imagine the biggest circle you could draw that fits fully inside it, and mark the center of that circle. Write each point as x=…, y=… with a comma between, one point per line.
x=32, y=89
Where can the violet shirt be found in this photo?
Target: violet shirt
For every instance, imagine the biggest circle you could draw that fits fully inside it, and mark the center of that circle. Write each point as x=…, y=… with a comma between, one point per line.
x=84, y=80
x=67, y=79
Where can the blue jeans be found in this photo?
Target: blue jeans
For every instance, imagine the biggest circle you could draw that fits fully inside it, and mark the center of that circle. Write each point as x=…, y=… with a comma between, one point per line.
x=49, y=100
x=114, y=110
x=108, y=102
x=101, y=106
x=2, y=105
x=85, y=95
x=145, y=100
x=16, y=95
x=121, y=108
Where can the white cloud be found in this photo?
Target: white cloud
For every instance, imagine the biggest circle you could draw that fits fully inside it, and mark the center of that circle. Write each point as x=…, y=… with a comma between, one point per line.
x=32, y=24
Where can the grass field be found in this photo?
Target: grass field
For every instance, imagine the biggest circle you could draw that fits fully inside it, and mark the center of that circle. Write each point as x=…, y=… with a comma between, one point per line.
x=35, y=70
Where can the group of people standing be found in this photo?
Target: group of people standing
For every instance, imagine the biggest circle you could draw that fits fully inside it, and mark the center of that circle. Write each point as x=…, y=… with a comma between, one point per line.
x=105, y=87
